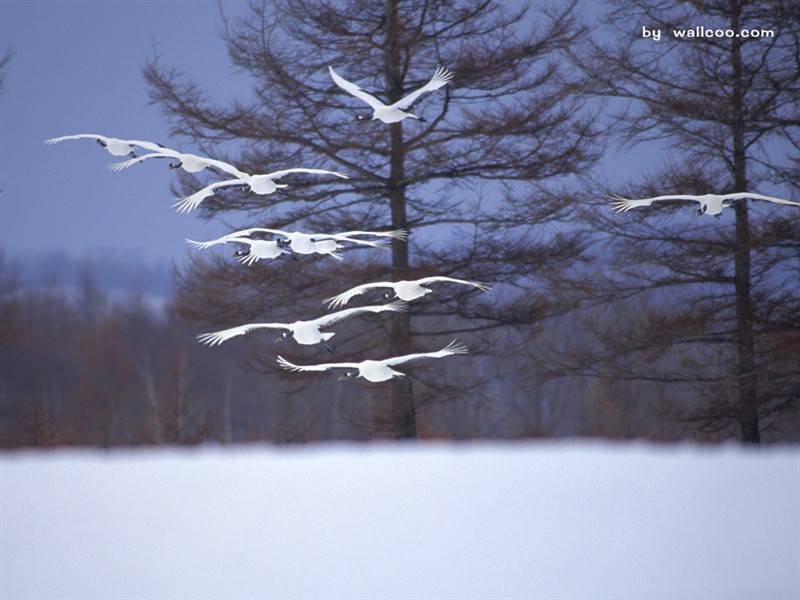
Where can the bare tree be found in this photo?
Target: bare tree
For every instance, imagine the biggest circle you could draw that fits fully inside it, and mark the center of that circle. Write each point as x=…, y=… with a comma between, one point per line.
x=4, y=60
x=509, y=116
x=715, y=297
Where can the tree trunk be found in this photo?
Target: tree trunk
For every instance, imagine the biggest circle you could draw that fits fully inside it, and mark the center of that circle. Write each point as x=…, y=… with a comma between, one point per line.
x=745, y=347
x=403, y=410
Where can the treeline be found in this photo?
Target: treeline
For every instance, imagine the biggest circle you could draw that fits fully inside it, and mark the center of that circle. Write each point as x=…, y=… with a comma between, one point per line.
x=77, y=368
x=656, y=323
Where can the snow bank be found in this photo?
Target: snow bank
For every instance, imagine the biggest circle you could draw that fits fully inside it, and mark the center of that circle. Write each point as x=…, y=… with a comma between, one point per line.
x=421, y=521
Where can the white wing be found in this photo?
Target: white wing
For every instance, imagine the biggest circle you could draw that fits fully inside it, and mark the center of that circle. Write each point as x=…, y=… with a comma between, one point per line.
x=285, y=364
x=336, y=317
x=242, y=240
x=252, y=230
x=621, y=204
x=481, y=286
x=232, y=237
x=193, y=201
x=215, y=338
x=440, y=78
x=279, y=174
x=397, y=234
x=739, y=195
x=96, y=136
x=152, y=146
x=374, y=244
x=162, y=153
x=452, y=348
x=353, y=89
x=226, y=167
x=80, y=136
x=345, y=297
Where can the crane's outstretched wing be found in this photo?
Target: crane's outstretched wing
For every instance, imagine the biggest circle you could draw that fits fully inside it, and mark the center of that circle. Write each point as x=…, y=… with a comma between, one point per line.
x=279, y=174
x=341, y=315
x=345, y=297
x=152, y=146
x=742, y=195
x=285, y=364
x=452, y=348
x=621, y=204
x=162, y=153
x=193, y=201
x=397, y=234
x=481, y=286
x=215, y=338
x=253, y=230
x=229, y=237
x=226, y=167
x=79, y=136
x=383, y=245
x=440, y=78
x=352, y=89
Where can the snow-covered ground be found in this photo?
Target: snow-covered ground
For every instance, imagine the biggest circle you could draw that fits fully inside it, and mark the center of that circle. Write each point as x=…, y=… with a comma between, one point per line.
x=388, y=521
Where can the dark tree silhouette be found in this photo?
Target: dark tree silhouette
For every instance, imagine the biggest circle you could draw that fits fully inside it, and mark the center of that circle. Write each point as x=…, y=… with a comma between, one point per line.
x=4, y=60
x=468, y=182
x=720, y=298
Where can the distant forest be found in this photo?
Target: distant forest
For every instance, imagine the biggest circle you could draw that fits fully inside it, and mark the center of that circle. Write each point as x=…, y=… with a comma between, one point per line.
x=77, y=368
x=661, y=323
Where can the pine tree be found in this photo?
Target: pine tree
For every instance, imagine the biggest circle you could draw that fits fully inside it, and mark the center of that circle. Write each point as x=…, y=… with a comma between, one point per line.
x=718, y=299
x=508, y=125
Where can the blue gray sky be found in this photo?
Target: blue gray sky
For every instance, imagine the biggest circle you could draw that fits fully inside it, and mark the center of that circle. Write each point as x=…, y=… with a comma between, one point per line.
x=77, y=68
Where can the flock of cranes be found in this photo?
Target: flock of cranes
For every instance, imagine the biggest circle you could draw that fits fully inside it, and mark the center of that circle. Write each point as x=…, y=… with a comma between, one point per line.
x=709, y=204
x=253, y=248
x=309, y=332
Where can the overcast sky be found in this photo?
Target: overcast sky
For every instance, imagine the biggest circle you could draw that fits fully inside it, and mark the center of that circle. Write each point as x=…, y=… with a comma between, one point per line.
x=77, y=68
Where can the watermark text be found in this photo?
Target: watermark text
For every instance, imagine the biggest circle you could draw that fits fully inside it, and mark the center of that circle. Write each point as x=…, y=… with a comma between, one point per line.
x=701, y=32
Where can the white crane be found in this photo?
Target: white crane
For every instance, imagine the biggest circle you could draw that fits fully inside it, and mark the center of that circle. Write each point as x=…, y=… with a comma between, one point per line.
x=303, y=332
x=710, y=204
x=114, y=146
x=311, y=243
x=396, y=112
x=375, y=370
x=405, y=290
x=191, y=163
x=257, y=249
x=258, y=184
